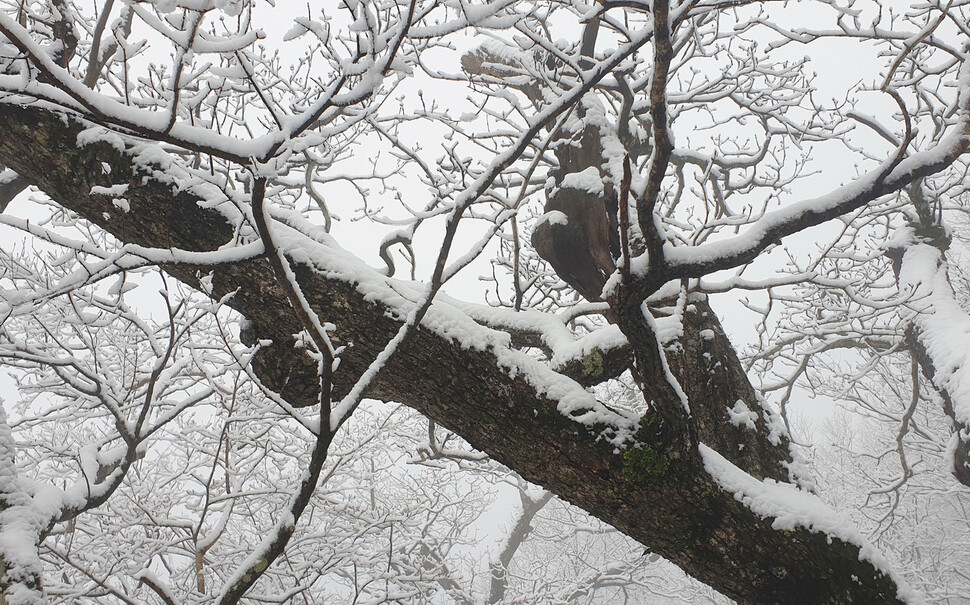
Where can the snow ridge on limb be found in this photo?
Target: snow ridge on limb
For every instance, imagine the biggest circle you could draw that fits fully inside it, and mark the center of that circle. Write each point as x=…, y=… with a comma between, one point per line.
x=792, y=508
x=589, y=359
x=938, y=332
x=309, y=245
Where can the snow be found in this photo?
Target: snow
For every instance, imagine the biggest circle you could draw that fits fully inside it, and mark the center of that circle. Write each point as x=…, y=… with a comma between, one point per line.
x=614, y=151
x=943, y=325
x=552, y=330
x=98, y=134
x=604, y=339
x=668, y=374
x=20, y=526
x=792, y=508
x=776, y=424
x=588, y=180
x=148, y=576
x=839, y=200
x=203, y=42
x=488, y=15
x=670, y=329
x=7, y=176
x=553, y=217
x=113, y=190
x=741, y=416
x=302, y=25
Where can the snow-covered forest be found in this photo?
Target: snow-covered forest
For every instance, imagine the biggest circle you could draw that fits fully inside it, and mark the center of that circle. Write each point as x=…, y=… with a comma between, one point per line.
x=484, y=301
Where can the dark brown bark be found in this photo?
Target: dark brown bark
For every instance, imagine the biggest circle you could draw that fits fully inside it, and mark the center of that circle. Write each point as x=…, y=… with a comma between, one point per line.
x=662, y=497
x=579, y=250
x=11, y=189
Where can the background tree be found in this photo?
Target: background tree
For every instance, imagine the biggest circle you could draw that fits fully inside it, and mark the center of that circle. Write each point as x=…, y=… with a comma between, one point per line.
x=639, y=149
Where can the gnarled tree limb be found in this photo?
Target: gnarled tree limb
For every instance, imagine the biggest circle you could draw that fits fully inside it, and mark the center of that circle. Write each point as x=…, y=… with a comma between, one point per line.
x=671, y=503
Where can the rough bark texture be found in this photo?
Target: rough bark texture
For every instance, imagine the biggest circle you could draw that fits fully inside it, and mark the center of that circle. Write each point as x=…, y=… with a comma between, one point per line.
x=663, y=498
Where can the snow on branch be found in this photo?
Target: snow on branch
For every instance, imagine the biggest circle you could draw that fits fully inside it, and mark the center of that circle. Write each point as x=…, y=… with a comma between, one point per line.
x=791, y=508
x=941, y=330
x=889, y=177
x=310, y=245
x=21, y=524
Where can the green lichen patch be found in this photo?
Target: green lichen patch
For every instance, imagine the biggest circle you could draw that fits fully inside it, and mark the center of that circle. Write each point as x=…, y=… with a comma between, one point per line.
x=593, y=363
x=642, y=463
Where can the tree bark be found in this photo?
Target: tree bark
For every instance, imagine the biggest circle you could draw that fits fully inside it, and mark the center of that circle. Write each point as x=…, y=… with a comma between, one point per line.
x=659, y=494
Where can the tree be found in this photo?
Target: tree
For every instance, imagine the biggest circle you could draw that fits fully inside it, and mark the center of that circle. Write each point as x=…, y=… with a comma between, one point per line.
x=622, y=155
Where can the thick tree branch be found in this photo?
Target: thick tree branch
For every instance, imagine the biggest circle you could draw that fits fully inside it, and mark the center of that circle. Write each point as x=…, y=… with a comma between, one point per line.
x=936, y=335
x=669, y=502
x=11, y=185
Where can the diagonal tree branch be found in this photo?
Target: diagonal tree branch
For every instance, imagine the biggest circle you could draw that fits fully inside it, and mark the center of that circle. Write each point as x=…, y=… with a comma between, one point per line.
x=536, y=422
